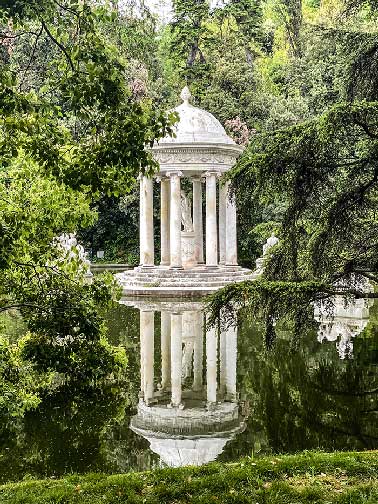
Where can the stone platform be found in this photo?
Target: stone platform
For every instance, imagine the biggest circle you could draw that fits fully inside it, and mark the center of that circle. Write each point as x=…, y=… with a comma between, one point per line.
x=165, y=282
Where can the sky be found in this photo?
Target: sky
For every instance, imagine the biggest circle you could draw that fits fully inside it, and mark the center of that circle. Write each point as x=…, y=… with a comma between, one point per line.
x=163, y=7
x=160, y=7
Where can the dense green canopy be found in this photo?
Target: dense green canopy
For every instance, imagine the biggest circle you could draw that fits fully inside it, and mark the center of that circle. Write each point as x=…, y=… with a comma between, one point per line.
x=321, y=174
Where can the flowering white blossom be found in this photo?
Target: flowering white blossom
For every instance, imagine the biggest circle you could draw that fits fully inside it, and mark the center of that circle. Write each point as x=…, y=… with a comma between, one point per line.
x=71, y=254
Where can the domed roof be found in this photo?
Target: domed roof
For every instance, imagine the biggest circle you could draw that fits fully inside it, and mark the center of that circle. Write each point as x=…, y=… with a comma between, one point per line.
x=196, y=126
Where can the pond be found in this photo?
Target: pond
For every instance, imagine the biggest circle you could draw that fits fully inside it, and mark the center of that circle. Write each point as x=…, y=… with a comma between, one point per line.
x=202, y=396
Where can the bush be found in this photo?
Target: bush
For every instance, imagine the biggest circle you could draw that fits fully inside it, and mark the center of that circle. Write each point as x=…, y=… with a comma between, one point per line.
x=18, y=383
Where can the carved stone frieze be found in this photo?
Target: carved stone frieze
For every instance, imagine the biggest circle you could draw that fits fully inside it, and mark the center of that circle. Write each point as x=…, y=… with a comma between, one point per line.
x=195, y=157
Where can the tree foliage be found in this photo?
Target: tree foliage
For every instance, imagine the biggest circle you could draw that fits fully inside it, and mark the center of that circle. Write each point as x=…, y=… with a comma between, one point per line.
x=73, y=128
x=322, y=174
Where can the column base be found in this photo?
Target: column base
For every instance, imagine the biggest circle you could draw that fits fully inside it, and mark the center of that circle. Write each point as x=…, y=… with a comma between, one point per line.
x=176, y=267
x=212, y=266
x=180, y=406
x=164, y=263
x=231, y=397
x=147, y=266
x=150, y=402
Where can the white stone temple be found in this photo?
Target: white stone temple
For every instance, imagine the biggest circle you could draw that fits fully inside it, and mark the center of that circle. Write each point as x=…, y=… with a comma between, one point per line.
x=188, y=408
x=198, y=245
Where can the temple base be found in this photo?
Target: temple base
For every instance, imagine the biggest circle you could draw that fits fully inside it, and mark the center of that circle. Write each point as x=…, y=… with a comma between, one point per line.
x=196, y=282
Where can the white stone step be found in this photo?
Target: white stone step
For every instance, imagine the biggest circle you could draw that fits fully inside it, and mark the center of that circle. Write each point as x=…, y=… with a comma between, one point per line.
x=183, y=283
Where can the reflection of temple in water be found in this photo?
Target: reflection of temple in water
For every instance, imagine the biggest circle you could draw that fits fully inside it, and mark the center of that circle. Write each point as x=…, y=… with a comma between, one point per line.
x=193, y=412
x=342, y=323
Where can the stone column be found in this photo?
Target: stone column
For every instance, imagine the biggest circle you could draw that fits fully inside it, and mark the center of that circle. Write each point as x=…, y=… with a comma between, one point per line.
x=164, y=223
x=231, y=238
x=142, y=354
x=211, y=220
x=188, y=332
x=231, y=357
x=147, y=338
x=211, y=365
x=147, y=224
x=141, y=221
x=197, y=218
x=198, y=353
x=165, y=350
x=223, y=362
x=222, y=223
x=176, y=359
x=175, y=220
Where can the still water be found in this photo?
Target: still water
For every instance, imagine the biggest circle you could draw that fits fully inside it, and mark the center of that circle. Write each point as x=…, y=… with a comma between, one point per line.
x=192, y=396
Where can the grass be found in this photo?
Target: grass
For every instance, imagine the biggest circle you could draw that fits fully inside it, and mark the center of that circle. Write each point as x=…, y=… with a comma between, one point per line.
x=344, y=478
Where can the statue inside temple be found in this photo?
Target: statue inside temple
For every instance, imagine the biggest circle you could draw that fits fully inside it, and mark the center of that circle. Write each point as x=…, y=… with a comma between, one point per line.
x=186, y=213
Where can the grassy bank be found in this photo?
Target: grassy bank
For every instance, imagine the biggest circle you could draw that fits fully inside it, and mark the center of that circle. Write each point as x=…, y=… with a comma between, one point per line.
x=306, y=478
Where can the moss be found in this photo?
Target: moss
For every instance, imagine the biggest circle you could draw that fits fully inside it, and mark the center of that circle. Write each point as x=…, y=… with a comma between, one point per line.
x=306, y=478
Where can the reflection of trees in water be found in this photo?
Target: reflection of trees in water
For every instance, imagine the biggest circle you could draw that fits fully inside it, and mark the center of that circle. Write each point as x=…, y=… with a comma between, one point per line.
x=74, y=431
x=82, y=430
x=63, y=435
x=306, y=397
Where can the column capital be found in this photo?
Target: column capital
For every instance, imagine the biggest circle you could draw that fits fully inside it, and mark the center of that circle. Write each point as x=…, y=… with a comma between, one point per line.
x=147, y=309
x=161, y=178
x=211, y=173
x=142, y=176
x=172, y=173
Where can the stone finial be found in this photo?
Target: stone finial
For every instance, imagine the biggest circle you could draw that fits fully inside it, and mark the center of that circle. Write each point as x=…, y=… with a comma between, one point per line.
x=186, y=95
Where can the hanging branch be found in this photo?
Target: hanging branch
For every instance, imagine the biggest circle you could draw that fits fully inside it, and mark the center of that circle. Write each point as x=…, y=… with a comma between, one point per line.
x=38, y=35
x=61, y=46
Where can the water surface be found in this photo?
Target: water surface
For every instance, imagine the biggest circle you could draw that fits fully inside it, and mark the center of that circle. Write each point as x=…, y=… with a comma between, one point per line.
x=238, y=398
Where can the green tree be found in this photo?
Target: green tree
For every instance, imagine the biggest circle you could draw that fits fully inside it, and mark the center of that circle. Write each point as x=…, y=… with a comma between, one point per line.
x=71, y=130
x=323, y=173
x=188, y=31
x=248, y=17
